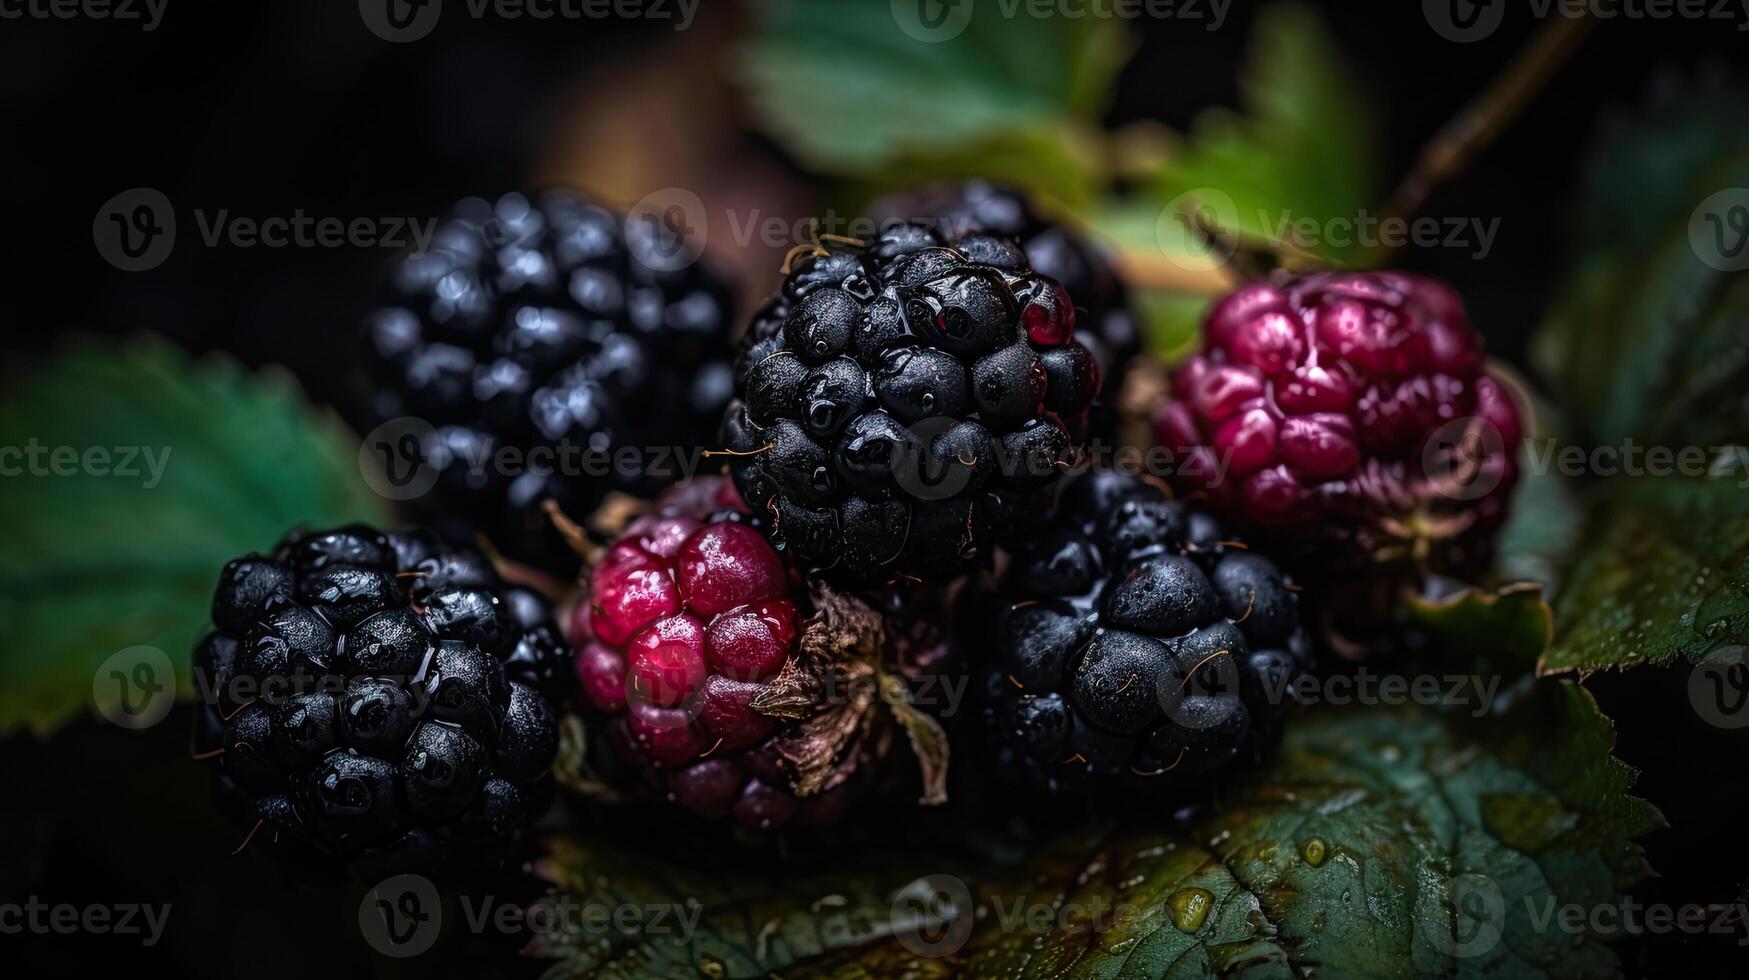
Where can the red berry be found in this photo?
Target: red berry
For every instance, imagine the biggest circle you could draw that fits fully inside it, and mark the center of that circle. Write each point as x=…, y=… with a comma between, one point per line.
x=602, y=673
x=750, y=643
x=726, y=711
x=709, y=788
x=727, y=565
x=763, y=807
x=665, y=661
x=687, y=623
x=669, y=736
x=1313, y=402
x=661, y=536
x=627, y=597
x=1049, y=316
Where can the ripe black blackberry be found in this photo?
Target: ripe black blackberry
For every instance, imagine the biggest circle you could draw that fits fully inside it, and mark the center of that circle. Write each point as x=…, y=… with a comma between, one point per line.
x=551, y=326
x=906, y=401
x=1141, y=642
x=1104, y=322
x=381, y=702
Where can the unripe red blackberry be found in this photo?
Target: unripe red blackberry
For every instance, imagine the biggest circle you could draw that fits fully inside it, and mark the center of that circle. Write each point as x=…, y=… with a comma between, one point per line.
x=1348, y=416
x=696, y=675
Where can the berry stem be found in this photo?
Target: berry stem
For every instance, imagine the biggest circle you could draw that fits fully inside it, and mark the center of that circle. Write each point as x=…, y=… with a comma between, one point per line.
x=1472, y=130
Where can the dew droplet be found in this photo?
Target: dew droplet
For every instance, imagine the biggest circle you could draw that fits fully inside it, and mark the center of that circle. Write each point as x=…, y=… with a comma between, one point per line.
x=1190, y=907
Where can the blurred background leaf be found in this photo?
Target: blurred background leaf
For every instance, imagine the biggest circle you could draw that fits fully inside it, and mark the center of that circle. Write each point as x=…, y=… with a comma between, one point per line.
x=852, y=89
x=1647, y=344
x=1305, y=144
x=105, y=562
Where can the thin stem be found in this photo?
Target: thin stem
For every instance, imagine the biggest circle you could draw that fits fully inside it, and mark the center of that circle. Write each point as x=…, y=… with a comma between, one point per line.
x=1461, y=140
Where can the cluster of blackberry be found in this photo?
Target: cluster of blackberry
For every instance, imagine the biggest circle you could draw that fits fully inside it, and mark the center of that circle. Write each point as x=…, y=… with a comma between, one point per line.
x=904, y=411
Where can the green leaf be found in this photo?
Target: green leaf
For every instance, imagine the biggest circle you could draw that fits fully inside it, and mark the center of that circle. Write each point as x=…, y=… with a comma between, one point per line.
x=1664, y=577
x=1646, y=340
x=1648, y=346
x=850, y=88
x=1346, y=855
x=91, y=564
x=1507, y=629
x=1304, y=146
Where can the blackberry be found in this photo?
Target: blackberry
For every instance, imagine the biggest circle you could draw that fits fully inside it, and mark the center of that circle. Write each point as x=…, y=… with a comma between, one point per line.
x=1139, y=643
x=1347, y=418
x=380, y=701
x=690, y=633
x=1104, y=323
x=906, y=401
x=548, y=334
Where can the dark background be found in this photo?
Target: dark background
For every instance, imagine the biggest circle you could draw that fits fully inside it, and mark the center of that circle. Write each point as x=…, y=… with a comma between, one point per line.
x=263, y=108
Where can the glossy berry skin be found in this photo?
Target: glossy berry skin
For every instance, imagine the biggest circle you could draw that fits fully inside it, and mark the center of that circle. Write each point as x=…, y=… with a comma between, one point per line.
x=1340, y=415
x=1138, y=645
x=906, y=402
x=549, y=324
x=1104, y=322
x=381, y=702
x=690, y=614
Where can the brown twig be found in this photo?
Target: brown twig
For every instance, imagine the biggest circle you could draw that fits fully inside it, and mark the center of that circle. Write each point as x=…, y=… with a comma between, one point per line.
x=1471, y=131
